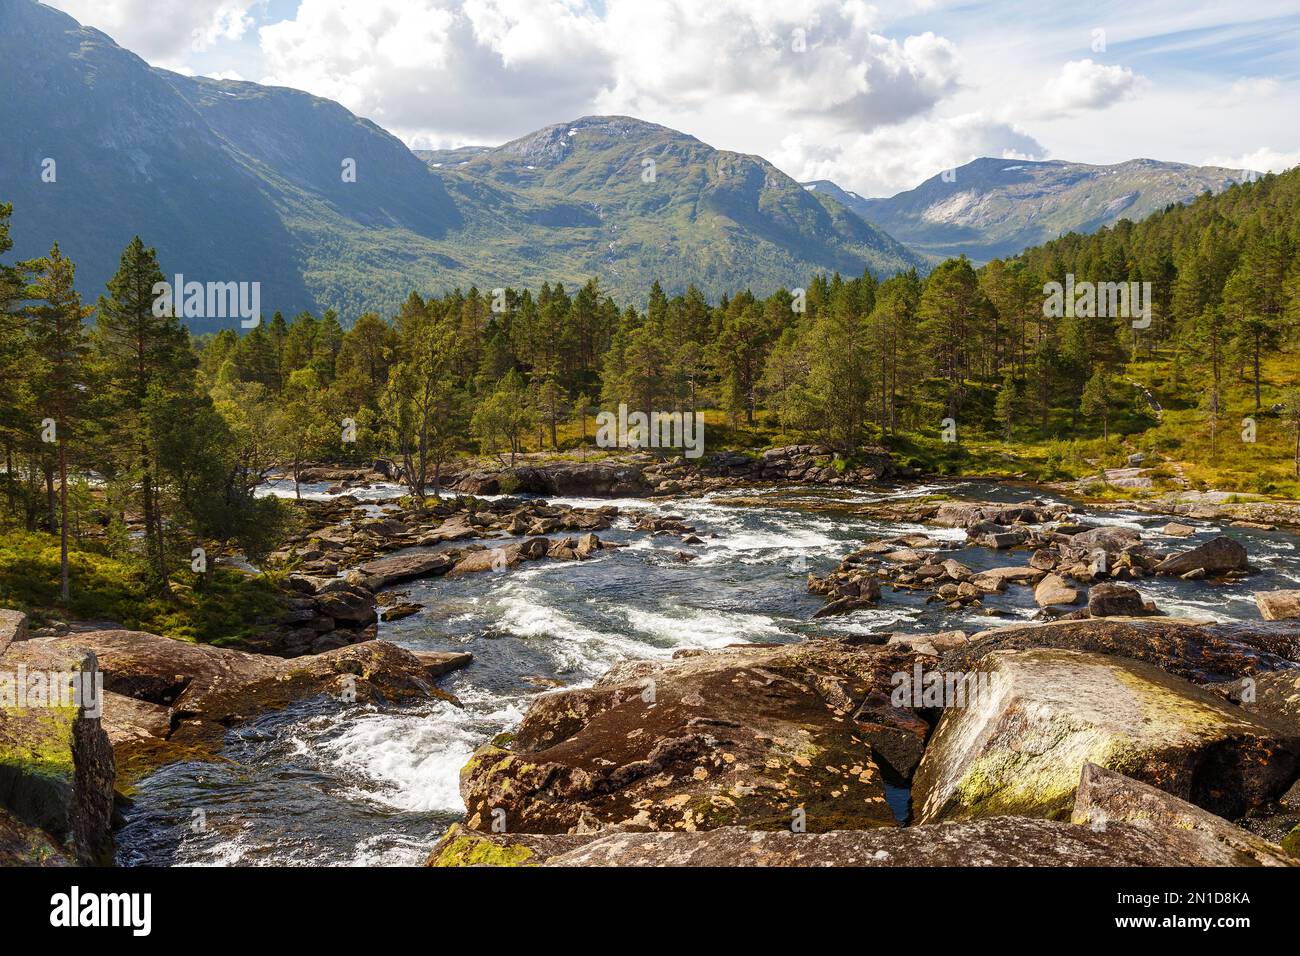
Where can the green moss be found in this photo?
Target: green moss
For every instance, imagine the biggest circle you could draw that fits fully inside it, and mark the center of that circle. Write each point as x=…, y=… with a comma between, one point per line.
x=43, y=744
x=1291, y=842
x=463, y=848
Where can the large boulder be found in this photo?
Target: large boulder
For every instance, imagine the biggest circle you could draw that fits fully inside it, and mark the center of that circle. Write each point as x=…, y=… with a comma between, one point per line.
x=382, y=572
x=352, y=607
x=1278, y=605
x=1054, y=591
x=1217, y=556
x=1199, y=651
x=166, y=698
x=1111, y=538
x=996, y=579
x=1115, y=600
x=56, y=763
x=757, y=736
x=1044, y=713
x=998, y=841
x=1106, y=798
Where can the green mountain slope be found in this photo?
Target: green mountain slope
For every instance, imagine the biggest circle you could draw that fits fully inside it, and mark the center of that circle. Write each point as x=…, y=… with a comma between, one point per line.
x=234, y=181
x=994, y=208
x=582, y=198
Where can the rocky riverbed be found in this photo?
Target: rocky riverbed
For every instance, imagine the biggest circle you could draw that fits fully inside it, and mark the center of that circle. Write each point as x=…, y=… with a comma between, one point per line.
x=749, y=672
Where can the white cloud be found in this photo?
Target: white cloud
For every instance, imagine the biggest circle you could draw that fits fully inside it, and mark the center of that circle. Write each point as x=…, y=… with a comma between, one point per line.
x=1255, y=87
x=164, y=32
x=1085, y=85
x=793, y=60
x=440, y=70
x=486, y=70
x=1263, y=160
x=894, y=158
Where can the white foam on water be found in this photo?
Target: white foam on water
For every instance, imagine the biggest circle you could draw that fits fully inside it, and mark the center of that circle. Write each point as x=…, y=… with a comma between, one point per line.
x=525, y=612
x=1115, y=520
x=701, y=627
x=317, y=491
x=411, y=761
x=1174, y=606
x=389, y=849
x=869, y=620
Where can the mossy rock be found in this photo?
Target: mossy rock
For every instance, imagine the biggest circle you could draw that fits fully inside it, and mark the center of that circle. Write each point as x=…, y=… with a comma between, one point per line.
x=1020, y=749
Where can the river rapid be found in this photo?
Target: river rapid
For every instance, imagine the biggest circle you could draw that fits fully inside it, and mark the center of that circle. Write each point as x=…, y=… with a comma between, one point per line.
x=324, y=783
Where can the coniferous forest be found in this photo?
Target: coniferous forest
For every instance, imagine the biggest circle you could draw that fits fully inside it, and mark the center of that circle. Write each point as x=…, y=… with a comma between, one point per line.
x=182, y=428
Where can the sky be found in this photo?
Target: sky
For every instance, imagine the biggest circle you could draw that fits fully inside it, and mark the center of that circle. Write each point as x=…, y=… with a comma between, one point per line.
x=876, y=97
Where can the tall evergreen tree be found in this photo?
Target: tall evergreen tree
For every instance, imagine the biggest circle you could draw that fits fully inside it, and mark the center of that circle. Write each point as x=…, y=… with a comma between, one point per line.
x=60, y=348
x=138, y=350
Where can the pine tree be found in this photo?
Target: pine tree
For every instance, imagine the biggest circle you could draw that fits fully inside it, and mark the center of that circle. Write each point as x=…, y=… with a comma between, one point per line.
x=60, y=348
x=1100, y=399
x=136, y=351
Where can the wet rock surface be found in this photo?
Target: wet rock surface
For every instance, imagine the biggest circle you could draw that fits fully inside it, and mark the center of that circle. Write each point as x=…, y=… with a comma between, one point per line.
x=753, y=735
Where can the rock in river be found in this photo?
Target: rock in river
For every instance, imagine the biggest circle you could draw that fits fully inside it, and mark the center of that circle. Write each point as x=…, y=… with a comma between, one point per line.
x=759, y=736
x=380, y=573
x=1045, y=713
x=1217, y=556
x=1053, y=591
x=1116, y=600
x=1278, y=605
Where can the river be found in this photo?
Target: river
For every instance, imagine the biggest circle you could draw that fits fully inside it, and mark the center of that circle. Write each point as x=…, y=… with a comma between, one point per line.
x=323, y=783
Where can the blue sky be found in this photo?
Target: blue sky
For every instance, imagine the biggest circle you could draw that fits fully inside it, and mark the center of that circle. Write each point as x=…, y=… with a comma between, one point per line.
x=874, y=96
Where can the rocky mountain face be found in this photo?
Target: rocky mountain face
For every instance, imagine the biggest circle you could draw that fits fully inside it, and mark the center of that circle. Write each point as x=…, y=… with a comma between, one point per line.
x=991, y=208
x=233, y=181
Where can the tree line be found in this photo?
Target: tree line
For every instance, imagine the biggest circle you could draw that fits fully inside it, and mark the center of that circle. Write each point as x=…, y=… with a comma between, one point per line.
x=179, y=430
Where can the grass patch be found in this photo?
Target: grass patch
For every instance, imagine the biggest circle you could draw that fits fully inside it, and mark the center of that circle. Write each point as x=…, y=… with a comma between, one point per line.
x=234, y=606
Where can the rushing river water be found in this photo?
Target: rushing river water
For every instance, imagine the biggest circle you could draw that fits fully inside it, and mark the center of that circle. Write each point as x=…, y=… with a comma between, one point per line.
x=326, y=783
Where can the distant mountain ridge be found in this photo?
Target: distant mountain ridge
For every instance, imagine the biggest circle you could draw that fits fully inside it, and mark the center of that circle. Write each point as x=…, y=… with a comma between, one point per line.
x=992, y=208
x=234, y=181
x=633, y=202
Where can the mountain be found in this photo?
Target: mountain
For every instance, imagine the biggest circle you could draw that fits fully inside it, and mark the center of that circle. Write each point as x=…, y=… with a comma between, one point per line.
x=632, y=202
x=992, y=208
x=234, y=181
